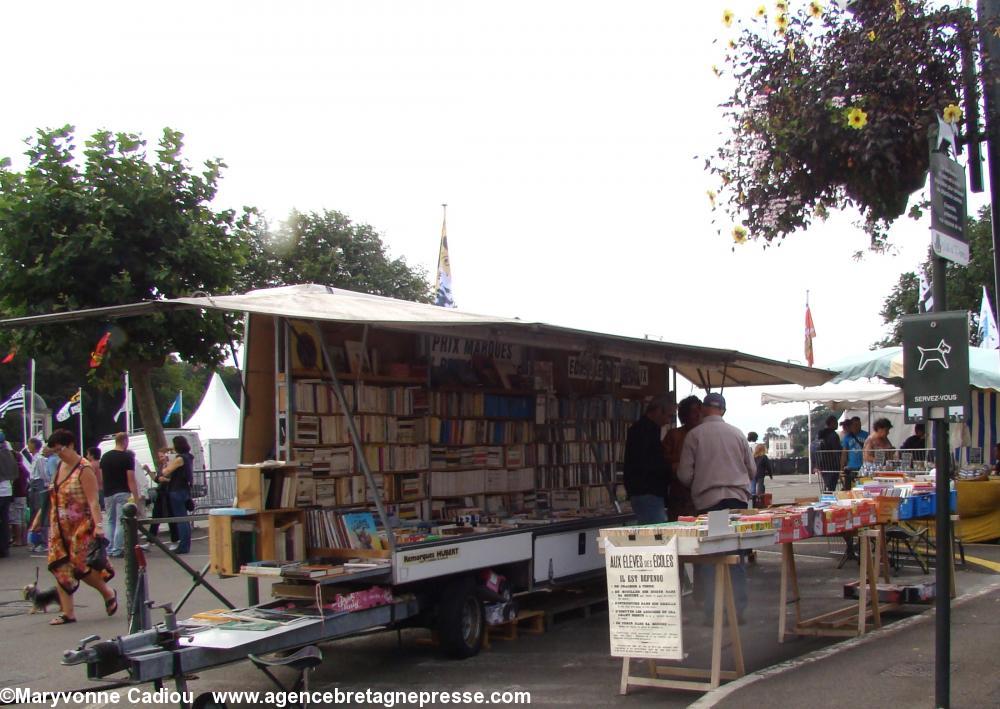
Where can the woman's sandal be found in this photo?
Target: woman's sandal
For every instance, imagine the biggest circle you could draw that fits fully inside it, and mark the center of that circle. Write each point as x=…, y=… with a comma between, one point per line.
x=62, y=619
x=111, y=604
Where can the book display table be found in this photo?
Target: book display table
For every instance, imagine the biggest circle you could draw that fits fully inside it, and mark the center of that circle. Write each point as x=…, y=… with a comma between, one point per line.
x=720, y=551
x=691, y=678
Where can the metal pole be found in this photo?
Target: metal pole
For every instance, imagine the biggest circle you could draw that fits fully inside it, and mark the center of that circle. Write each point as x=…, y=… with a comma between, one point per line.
x=128, y=518
x=988, y=12
x=31, y=413
x=79, y=393
x=942, y=531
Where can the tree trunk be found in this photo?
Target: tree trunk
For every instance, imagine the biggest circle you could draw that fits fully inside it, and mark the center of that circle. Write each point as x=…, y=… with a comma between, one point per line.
x=149, y=415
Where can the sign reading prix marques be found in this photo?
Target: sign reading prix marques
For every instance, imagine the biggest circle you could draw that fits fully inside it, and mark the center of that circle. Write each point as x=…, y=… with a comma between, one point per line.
x=948, y=209
x=644, y=600
x=936, y=364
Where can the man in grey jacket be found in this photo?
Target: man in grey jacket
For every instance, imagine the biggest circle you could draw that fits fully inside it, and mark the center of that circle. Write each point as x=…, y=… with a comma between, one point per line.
x=717, y=466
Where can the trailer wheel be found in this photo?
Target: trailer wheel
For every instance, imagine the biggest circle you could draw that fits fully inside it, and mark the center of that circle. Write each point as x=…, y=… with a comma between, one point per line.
x=461, y=624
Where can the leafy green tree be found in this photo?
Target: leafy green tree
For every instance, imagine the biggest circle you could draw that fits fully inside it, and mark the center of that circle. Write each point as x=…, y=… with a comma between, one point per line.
x=111, y=227
x=963, y=284
x=831, y=109
x=328, y=248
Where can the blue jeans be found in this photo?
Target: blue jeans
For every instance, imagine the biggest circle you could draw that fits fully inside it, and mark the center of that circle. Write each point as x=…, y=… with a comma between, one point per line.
x=704, y=574
x=116, y=530
x=757, y=485
x=178, y=508
x=648, y=509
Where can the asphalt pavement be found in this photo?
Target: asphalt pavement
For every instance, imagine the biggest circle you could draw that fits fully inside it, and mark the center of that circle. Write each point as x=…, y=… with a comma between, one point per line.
x=569, y=664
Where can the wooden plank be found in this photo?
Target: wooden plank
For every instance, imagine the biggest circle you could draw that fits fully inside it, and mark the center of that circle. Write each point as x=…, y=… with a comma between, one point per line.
x=220, y=544
x=721, y=574
x=734, y=630
x=786, y=550
x=693, y=672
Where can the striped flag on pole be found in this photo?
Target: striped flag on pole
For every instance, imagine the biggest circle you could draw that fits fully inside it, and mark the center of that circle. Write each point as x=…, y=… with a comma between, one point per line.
x=442, y=287
x=14, y=401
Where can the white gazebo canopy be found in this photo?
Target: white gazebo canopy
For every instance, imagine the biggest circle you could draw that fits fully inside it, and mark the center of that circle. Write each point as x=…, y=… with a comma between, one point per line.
x=217, y=416
x=844, y=395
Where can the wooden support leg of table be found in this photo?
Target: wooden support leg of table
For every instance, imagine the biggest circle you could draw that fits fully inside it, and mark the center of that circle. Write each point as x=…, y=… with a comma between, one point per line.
x=721, y=589
x=884, y=554
x=734, y=627
x=783, y=591
x=866, y=551
x=687, y=678
x=870, y=537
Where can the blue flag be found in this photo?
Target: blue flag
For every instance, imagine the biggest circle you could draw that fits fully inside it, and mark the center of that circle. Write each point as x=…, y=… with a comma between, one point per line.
x=175, y=408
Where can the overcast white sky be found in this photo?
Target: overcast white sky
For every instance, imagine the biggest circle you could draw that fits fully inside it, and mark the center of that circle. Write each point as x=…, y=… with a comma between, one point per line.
x=561, y=134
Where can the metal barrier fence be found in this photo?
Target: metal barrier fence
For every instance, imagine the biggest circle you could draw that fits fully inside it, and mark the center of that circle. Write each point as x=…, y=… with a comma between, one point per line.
x=213, y=488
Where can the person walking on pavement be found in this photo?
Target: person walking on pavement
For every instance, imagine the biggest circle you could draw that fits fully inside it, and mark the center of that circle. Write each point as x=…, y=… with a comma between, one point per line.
x=763, y=464
x=716, y=464
x=118, y=471
x=646, y=468
x=75, y=523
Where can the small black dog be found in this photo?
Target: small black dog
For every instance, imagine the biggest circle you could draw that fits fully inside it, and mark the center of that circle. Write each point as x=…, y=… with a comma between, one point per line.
x=40, y=599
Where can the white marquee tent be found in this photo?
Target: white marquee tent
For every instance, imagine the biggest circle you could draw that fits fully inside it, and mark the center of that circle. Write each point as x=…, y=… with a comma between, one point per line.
x=217, y=422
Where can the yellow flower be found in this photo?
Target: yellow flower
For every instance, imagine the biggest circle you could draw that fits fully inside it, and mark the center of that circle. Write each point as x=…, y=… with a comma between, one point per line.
x=815, y=9
x=732, y=44
x=727, y=18
x=761, y=11
x=871, y=35
x=952, y=113
x=898, y=7
x=781, y=6
x=711, y=196
x=791, y=51
x=856, y=118
x=782, y=22
x=739, y=234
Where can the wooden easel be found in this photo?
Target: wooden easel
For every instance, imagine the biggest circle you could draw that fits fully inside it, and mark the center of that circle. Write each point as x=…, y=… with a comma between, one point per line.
x=684, y=677
x=849, y=621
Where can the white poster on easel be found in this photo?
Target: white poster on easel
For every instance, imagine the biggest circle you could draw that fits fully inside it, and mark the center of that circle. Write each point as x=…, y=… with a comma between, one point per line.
x=644, y=600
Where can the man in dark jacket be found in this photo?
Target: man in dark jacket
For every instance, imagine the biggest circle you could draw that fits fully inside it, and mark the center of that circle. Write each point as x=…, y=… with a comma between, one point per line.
x=646, y=467
x=829, y=454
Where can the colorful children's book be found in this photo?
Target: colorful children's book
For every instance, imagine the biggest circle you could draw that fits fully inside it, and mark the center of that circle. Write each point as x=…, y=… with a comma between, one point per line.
x=362, y=532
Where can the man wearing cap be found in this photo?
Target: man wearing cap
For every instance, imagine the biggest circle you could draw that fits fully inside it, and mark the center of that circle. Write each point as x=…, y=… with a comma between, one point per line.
x=829, y=454
x=646, y=468
x=716, y=464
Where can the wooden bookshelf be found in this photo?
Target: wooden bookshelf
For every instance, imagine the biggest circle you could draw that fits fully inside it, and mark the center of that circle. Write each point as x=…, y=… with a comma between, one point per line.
x=226, y=550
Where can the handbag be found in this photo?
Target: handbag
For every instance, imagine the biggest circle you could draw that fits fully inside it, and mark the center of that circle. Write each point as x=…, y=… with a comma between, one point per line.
x=97, y=554
x=189, y=505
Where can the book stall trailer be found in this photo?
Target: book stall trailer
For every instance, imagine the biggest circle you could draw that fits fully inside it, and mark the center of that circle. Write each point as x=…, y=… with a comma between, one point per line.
x=409, y=465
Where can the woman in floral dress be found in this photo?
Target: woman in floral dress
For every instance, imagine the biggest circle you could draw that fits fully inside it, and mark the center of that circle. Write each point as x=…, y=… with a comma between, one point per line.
x=74, y=521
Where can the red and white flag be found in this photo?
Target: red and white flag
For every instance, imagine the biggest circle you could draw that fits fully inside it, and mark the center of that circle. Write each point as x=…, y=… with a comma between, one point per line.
x=810, y=334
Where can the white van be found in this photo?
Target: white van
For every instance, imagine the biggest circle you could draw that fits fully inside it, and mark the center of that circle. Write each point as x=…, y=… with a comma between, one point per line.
x=138, y=444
